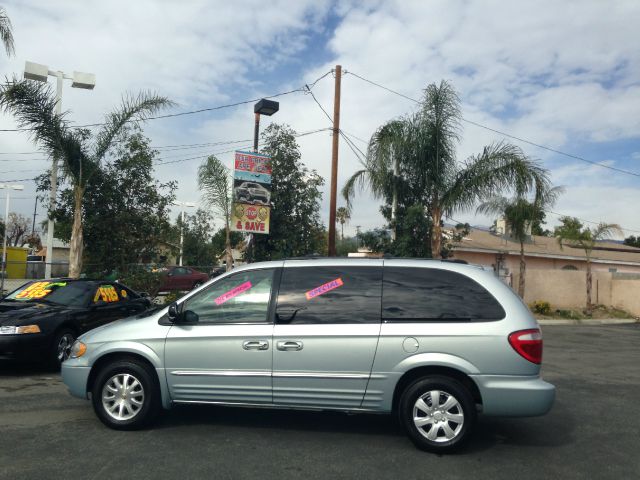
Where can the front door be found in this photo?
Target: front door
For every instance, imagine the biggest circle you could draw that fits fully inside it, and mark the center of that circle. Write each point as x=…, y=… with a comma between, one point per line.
x=226, y=356
x=326, y=333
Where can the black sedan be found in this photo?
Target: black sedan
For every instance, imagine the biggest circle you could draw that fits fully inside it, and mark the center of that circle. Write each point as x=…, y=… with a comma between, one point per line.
x=41, y=319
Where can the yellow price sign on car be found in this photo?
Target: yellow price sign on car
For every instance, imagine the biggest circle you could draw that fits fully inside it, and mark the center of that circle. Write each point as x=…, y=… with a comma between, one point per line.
x=106, y=293
x=39, y=290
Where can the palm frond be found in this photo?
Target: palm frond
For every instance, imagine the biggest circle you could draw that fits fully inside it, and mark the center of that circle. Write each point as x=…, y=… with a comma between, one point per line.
x=501, y=166
x=357, y=181
x=214, y=182
x=33, y=105
x=6, y=33
x=132, y=109
x=494, y=205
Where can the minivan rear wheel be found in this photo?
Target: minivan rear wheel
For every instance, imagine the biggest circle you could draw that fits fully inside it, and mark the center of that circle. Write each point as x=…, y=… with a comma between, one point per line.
x=126, y=395
x=437, y=413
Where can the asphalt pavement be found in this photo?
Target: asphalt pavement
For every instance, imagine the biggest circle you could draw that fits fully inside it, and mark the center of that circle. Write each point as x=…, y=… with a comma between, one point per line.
x=592, y=431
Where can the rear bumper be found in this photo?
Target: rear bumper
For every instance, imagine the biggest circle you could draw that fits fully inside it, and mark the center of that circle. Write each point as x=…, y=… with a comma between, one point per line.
x=75, y=378
x=515, y=396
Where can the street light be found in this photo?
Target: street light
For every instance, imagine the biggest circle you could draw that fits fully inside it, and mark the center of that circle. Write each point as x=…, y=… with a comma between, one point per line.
x=8, y=188
x=87, y=81
x=264, y=107
x=182, y=205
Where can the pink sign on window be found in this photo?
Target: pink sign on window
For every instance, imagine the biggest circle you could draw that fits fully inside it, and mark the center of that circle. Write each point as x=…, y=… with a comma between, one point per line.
x=234, y=292
x=324, y=288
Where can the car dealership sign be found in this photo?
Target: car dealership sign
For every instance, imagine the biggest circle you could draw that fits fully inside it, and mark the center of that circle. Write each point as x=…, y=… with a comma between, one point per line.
x=251, y=193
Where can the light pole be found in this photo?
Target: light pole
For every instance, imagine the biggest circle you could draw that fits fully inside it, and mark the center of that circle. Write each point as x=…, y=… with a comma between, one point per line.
x=87, y=81
x=182, y=205
x=263, y=107
x=8, y=188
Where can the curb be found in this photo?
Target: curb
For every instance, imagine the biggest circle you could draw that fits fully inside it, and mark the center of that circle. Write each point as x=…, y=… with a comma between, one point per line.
x=587, y=321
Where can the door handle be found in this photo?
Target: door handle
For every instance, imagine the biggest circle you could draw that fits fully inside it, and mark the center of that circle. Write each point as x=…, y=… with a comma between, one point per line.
x=289, y=345
x=255, y=345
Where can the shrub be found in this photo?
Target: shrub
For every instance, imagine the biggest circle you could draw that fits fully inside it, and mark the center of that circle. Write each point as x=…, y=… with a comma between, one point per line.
x=540, y=307
x=143, y=280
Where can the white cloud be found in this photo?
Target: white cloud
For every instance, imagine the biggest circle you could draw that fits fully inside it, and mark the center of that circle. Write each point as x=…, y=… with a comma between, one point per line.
x=558, y=73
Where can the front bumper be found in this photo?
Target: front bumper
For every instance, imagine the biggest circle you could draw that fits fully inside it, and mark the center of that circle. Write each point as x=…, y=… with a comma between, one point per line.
x=515, y=396
x=28, y=346
x=75, y=378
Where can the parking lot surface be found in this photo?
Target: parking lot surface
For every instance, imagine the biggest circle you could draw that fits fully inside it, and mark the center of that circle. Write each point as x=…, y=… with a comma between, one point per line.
x=593, y=430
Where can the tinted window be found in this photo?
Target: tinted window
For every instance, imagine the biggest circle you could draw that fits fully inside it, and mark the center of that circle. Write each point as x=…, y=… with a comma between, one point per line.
x=239, y=298
x=330, y=295
x=433, y=294
x=59, y=292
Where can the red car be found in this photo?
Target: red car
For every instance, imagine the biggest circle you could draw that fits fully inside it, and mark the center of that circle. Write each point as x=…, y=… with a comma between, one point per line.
x=183, y=278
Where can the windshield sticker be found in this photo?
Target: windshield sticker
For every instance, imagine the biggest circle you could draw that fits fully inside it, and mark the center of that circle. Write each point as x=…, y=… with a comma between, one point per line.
x=225, y=297
x=107, y=293
x=123, y=293
x=322, y=289
x=39, y=290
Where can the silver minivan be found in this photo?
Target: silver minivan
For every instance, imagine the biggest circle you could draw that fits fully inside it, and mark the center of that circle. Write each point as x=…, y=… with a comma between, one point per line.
x=433, y=342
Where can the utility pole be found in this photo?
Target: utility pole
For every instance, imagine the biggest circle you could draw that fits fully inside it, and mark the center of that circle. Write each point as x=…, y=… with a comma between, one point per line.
x=334, y=163
x=35, y=209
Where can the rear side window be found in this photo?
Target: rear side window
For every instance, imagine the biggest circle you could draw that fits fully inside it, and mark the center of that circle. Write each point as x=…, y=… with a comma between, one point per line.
x=330, y=295
x=423, y=294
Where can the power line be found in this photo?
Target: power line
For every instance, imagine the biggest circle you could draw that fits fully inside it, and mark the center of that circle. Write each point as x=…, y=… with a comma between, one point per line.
x=349, y=143
x=248, y=147
x=190, y=112
x=544, y=147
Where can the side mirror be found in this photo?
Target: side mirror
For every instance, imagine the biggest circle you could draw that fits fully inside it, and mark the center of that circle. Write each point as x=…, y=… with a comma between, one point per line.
x=190, y=317
x=173, y=312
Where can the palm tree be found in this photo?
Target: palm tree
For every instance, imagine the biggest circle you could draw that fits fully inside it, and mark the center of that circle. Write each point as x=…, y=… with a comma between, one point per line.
x=586, y=239
x=6, y=33
x=342, y=217
x=430, y=172
x=214, y=180
x=520, y=214
x=81, y=152
x=381, y=166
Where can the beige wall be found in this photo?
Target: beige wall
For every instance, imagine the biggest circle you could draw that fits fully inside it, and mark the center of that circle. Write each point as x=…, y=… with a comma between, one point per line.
x=568, y=289
x=512, y=262
x=545, y=280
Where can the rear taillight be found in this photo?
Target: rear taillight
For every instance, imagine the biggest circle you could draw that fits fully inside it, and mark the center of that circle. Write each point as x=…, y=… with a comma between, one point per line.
x=528, y=343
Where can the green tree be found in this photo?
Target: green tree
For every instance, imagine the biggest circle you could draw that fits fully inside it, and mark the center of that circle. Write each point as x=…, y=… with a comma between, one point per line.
x=219, y=240
x=6, y=32
x=520, y=214
x=632, y=241
x=214, y=180
x=125, y=210
x=571, y=233
x=295, y=226
x=377, y=240
x=342, y=217
x=428, y=173
x=81, y=153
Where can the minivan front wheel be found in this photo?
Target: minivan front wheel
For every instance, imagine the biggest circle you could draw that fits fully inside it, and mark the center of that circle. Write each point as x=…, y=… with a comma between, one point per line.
x=438, y=413
x=125, y=395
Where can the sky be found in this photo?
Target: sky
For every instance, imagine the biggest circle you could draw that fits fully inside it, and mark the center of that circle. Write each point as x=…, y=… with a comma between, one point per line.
x=561, y=75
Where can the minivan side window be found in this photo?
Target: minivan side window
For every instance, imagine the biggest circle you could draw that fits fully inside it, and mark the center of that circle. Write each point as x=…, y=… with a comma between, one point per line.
x=239, y=298
x=324, y=295
x=424, y=294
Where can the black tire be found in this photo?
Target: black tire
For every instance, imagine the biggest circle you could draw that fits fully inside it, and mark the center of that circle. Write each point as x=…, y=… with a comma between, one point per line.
x=61, y=347
x=451, y=430
x=196, y=285
x=132, y=416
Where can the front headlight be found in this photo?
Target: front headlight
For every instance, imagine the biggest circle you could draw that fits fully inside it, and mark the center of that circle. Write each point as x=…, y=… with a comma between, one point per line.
x=78, y=349
x=13, y=330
